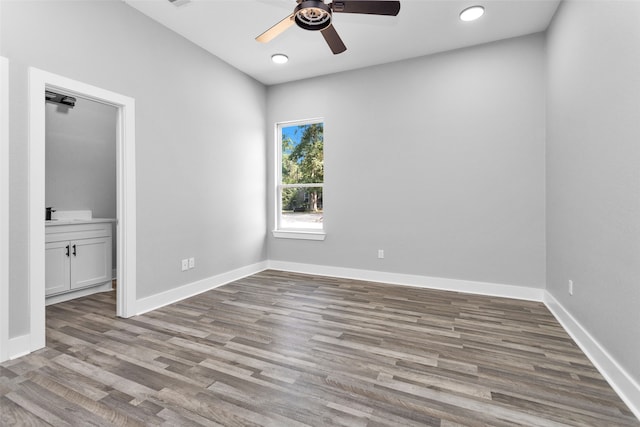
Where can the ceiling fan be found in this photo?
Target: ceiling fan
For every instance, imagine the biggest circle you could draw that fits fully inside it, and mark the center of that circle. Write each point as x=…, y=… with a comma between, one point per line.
x=316, y=15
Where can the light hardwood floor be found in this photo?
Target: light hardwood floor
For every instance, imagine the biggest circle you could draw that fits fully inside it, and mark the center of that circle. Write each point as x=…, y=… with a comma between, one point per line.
x=280, y=349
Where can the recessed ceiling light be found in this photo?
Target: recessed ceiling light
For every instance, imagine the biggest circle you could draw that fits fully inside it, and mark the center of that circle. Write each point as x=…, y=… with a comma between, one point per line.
x=279, y=58
x=472, y=13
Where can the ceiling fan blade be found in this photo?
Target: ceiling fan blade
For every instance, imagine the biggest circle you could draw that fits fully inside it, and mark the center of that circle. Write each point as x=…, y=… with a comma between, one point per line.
x=370, y=7
x=276, y=30
x=333, y=40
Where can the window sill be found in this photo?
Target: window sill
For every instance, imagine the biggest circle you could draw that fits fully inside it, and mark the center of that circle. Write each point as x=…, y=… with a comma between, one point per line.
x=300, y=235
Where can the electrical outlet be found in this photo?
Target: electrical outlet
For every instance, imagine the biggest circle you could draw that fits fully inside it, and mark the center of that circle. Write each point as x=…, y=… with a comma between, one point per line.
x=185, y=264
x=570, y=287
x=192, y=262
x=380, y=253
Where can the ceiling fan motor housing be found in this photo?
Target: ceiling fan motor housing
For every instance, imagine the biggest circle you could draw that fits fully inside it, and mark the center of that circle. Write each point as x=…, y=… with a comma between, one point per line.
x=313, y=15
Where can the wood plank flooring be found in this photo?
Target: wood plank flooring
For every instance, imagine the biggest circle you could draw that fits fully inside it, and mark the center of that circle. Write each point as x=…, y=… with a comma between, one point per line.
x=282, y=349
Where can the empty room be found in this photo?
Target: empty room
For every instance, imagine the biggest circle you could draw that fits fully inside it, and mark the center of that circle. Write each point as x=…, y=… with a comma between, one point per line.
x=178, y=246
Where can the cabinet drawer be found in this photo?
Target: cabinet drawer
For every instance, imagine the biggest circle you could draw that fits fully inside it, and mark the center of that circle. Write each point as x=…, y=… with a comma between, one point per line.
x=59, y=233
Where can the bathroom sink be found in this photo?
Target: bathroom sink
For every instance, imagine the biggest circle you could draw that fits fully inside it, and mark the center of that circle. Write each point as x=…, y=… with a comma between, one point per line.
x=79, y=215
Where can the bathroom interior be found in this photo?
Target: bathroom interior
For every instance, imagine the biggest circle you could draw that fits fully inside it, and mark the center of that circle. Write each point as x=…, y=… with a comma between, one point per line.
x=80, y=197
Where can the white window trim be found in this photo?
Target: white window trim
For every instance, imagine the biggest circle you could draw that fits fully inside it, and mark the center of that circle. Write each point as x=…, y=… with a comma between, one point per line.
x=299, y=234
x=291, y=233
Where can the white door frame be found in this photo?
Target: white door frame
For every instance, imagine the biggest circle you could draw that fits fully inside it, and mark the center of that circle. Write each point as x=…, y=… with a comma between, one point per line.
x=4, y=208
x=40, y=80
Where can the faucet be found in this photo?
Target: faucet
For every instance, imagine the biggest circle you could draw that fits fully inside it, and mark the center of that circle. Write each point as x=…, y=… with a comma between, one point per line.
x=48, y=213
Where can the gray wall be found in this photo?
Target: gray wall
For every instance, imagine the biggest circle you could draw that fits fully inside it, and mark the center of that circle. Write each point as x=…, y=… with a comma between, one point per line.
x=80, y=148
x=593, y=171
x=438, y=160
x=81, y=157
x=200, y=144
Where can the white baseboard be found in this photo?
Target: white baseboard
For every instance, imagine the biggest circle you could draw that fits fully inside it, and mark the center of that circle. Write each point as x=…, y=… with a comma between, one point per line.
x=623, y=384
x=467, y=286
x=19, y=346
x=174, y=295
x=55, y=299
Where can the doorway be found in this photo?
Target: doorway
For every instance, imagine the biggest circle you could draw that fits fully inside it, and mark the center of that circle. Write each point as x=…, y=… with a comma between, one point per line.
x=39, y=82
x=80, y=192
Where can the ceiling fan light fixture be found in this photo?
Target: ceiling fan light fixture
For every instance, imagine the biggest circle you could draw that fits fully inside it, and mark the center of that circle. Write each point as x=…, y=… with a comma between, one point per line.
x=279, y=58
x=471, y=13
x=312, y=15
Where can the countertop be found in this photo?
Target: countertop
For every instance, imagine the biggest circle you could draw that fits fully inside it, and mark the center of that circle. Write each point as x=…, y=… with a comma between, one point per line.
x=54, y=222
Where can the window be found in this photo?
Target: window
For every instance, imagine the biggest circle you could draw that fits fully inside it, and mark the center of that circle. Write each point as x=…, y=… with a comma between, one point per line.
x=300, y=180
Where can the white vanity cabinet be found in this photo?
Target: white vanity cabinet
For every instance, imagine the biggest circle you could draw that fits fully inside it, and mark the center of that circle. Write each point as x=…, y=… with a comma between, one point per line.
x=77, y=255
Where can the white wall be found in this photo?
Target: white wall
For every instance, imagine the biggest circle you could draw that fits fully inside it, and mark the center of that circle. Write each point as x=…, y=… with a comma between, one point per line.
x=437, y=160
x=593, y=171
x=200, y=145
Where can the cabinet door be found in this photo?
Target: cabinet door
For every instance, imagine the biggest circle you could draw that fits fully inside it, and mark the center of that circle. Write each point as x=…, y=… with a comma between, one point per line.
x=90, y=262
x=57, y=273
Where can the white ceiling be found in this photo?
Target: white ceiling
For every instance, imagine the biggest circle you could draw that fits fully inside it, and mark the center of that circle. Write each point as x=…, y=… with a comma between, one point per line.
x=227, y=29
